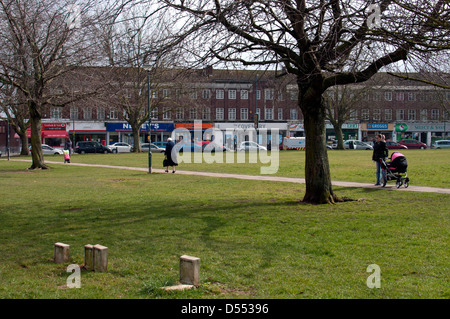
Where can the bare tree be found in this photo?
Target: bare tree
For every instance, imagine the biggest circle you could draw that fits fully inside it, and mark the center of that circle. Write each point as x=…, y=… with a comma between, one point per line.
x=130, y=40
x=323, y=43
x=340, y=101
x=16, y=112
x=40, y=42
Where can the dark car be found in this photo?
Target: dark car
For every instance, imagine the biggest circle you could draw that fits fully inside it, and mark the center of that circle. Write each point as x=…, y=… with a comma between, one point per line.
x=91, y=147
x=395, y=146
x=411, y=143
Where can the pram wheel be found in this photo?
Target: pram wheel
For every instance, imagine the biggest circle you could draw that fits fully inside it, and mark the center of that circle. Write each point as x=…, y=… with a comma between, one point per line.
x=383, y=182
x=398, y=183
x=406, y=183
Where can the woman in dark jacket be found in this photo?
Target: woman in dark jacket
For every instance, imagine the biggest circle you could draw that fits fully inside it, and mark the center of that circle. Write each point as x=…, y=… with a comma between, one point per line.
x=380, y=150
x=171, y=155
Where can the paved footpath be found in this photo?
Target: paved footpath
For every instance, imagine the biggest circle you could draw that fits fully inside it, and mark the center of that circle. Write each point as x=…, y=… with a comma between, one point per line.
x=411, y=188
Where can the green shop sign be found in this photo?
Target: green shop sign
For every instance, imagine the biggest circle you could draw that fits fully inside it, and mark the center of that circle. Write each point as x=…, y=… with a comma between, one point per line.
x=401, y=127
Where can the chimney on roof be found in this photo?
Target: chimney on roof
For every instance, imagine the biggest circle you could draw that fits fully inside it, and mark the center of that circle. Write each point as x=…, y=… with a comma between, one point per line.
x=208, y=71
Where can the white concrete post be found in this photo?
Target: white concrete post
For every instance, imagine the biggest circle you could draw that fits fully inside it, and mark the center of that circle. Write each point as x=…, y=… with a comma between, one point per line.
x=190, y=270
x=100, y=257
x=61, y=253
x=89, y=257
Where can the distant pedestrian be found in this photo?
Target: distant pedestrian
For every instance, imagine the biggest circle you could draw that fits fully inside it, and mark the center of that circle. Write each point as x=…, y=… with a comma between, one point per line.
x=66, y=156
x=380, y=151
x=170, y=156
x=68, y=146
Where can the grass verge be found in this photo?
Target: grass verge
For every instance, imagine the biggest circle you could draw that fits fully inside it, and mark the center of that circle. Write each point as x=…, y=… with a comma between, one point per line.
x=255, y=239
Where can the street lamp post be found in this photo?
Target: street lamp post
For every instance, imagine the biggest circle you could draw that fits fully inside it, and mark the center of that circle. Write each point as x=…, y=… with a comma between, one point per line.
x=149, y=123
x=148, y=67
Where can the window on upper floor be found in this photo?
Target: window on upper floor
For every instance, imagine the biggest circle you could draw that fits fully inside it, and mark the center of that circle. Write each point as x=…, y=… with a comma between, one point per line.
x=220, y=94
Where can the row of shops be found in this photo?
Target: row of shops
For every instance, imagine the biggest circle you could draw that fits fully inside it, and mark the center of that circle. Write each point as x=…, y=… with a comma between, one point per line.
x=55, y=134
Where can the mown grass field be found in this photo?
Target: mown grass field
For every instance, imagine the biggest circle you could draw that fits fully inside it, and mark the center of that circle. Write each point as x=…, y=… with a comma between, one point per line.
x=255, y=239
x=425, y=167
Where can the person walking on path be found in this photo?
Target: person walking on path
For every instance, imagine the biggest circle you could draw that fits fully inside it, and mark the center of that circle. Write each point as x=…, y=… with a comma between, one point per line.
x=171, y=156
x=380, y=151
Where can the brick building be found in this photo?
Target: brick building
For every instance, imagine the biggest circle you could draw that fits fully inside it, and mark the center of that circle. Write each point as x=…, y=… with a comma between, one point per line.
x=230, y=99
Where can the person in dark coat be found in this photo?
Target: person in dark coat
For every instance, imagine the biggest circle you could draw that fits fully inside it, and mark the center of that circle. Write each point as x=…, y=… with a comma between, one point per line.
x=380, y=151
x=171, y=156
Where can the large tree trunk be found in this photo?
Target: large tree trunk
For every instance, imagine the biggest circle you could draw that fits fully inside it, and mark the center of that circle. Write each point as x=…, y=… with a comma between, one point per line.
x=36, y=142
x=317, y=170
x=137, y=142
x=339, y=136
x=24, y=140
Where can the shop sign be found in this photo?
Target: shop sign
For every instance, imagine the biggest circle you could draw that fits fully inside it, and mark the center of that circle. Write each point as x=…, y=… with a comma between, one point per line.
x=51, y=130
x=422, y=127
x=377, y=126
x=345, y=126
x=194, y=126
x=401, y=127
x=246, y=126
x=328, y=126
x=53, y=126
x=296, y=127
x=158, y=127
x=126, y=127
x=350, y=126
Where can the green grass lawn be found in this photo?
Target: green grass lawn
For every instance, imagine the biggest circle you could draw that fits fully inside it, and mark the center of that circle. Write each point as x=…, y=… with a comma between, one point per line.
x=255, y=239
x=425, y=167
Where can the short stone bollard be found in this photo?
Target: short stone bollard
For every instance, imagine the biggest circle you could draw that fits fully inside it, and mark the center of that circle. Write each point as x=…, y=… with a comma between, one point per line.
x=190, y=270
x=61, y=253
x=89, y=257
x=100, y=258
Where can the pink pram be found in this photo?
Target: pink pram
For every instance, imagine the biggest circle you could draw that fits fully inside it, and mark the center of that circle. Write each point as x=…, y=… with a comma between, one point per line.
x=395, y=170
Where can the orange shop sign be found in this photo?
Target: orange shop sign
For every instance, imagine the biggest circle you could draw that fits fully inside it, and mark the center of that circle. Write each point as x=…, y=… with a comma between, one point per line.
x=194, y=126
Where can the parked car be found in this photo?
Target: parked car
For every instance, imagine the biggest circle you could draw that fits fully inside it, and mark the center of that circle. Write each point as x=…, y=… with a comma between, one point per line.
x=332, y=143
x=160, y=144
x=411, y=143
x=120, y=147
x=441, y=144
x=48, y=150
x=155, y=149
x=250, y=146
x=91, y=147
x=359, y=145
x=395, y=146
x=188, y=147
x=213, y=147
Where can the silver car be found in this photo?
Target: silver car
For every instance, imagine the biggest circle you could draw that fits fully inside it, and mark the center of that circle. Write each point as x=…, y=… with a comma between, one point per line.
x=441, y=144
x=358, y=145
x=48, y=150
x=155, y=149
x=251, y=146
x=120, y=147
